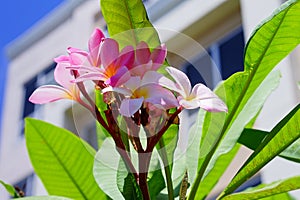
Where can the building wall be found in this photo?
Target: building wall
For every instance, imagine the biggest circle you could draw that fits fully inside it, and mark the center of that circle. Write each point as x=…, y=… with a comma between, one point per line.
x=75, y=31
x=182, y=31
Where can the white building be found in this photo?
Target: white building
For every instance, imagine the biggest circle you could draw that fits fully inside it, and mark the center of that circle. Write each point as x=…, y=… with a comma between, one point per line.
x=220, y=26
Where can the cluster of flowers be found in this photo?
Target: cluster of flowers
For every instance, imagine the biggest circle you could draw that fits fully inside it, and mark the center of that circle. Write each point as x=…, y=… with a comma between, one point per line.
x=130, y=73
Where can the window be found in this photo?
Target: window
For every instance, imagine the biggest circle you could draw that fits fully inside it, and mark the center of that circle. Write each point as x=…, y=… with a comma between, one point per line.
x=25, y=185
x=222, y=59
x=44, y=77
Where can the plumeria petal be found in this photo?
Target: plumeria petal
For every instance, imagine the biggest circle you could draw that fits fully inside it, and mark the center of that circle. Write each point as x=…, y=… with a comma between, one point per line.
x=62, y=58
x=133, y=83
x=94, y=45
x=49, y=93
x=79, y=58
x=165, y=82
x=141, y=69
x=109, y=52
x=126, y=92
x=158, y=56
x=142, y=53
x=63, y=76
x=130, y=106
x=183, y=82
x=121, y=76
x=152, y=77
x=213, y=105
x=92, y=76
x=157, y=95
x=188, y=104
x=126, y=57
x=200, y=91
x=208, y=99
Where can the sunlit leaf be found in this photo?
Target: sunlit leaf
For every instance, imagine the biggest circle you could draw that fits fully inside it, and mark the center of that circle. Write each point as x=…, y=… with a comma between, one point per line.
x=281, y=136
x=266, y=190
x=252, y=138
x=45, y=198
x=270, y=43
x=128, y=23
x=62, y=160
x=106, y=168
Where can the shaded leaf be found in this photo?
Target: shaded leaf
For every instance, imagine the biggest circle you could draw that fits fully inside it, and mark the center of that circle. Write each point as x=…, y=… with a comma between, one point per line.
x=131, y=190
x=62, y=160
x=156, y=183
x=252, y=138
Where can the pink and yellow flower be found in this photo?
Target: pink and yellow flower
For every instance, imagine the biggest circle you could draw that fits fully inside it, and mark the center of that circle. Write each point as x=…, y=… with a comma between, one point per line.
x=66, y=90
x=142, y=91
x=148, y=61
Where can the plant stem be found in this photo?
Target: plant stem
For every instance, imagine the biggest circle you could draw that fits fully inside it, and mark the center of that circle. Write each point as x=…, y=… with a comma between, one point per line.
x=154, y=139
x=144, y=162
x=164, y=158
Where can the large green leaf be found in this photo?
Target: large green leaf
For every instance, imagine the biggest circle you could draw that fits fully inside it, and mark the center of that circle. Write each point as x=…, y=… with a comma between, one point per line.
x=213, y=177
x=266, y=190
x=106, y=167
x=281, y=136
x=62, y=160
x=191, y=163
x=128, y=23
x=228, y=89
x=270, y=43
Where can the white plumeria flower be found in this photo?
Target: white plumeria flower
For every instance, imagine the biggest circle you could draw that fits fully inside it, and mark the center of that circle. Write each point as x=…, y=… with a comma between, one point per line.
x=190, y=98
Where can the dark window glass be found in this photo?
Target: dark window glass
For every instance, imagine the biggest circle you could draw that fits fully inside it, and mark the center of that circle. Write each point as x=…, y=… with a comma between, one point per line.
x=25, y=185
x=29, y=87
x=231, y=54
x=200, y=71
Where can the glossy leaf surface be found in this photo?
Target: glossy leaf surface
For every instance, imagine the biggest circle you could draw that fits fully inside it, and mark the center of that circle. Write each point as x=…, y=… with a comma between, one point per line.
x=62, y=160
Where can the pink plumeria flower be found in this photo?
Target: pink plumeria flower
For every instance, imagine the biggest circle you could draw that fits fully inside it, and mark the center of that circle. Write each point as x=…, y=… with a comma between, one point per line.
x=114, y=64
x=139, y=91
x=191, y=98
x=94, y=47
x=67, y=90
x=148, y=61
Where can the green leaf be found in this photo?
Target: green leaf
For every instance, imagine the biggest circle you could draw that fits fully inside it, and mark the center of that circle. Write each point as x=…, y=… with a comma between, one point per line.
x=10, y=189
x=45, y=198
x=62, y=160
x=131, y=190
x=156, y=183
x=281, y=136
x=266, y=190
x=233, y=125
x=252, y=138
x=102, y=133
x=212, y=178
x=273, y=40
x=128, y=23
x=106, y=167
x=270, y=43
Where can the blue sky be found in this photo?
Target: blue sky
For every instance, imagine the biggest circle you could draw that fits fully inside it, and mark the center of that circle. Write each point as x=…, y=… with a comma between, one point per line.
x=18, y=15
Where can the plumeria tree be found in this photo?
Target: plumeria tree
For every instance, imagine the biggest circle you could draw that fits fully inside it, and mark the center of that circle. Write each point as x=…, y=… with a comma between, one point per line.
x=137, y=100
